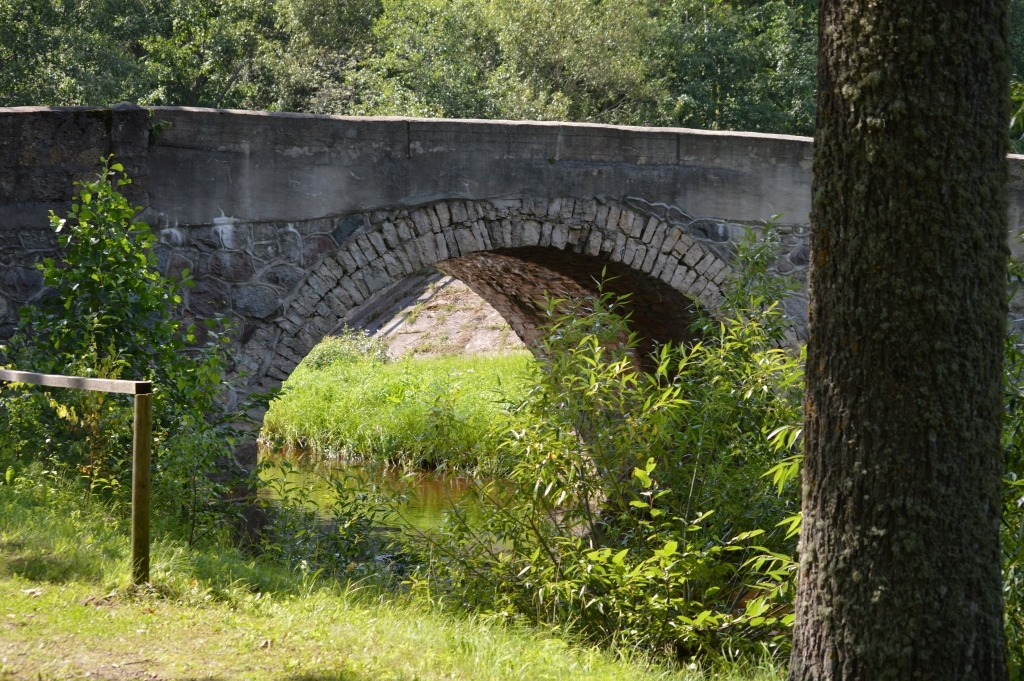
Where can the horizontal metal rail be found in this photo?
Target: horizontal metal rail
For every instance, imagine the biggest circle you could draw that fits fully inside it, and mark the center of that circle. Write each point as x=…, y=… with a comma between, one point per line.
x=142, y=447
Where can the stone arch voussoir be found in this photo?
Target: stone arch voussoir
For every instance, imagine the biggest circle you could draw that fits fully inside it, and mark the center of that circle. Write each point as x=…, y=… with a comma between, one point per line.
x=312, y=274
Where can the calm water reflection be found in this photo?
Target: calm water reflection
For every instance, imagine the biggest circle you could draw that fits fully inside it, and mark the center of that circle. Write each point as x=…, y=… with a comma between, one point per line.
x=428, y=494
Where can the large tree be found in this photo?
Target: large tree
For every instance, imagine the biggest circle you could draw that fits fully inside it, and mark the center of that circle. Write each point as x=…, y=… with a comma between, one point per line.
x=899, y=555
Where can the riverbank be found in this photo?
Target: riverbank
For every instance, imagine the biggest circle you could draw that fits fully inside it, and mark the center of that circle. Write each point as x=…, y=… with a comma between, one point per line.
x=215, y=612
x=348, y=402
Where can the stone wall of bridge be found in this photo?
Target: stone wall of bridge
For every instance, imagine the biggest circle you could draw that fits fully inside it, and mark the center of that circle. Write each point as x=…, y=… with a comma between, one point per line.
x=290, y=223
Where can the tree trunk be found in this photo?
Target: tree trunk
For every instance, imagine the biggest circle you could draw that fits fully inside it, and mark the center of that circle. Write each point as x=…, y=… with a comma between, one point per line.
x=899, y=555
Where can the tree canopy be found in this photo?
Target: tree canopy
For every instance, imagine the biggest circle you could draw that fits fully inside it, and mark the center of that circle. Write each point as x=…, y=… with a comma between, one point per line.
x=719, y=64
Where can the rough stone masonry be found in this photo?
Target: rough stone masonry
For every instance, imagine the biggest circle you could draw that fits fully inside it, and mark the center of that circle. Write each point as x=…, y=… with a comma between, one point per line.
x=289, y=222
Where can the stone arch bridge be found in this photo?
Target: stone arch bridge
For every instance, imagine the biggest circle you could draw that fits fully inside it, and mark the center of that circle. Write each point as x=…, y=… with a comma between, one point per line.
x=291, y=222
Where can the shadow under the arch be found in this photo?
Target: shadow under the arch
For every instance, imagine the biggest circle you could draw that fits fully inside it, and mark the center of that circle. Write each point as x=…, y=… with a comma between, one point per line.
x=515, y=281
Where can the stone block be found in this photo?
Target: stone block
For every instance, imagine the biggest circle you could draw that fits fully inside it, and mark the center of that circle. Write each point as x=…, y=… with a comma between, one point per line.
x=233, y=236
x=713, y=269
x=704, y=263
x=517, y=233
x=207, y=298
x=290, y=246
x=427, y=248
x=392, y=266
x=449, y=240
x=601, y=219
x=660, y=265
x=420, y=221
x=377, y=241
x=494, y=233
x=630, y=251
x=339, y=300
x=649, y=260
x=314, y=247
x=318, y=284
x=559, y=236
x=648, y=233
x=466, y=240
x=614, y=213
x=554, y=208
x=594, y=242
x=482, y=235
x=352, y=290
x=390, y=235
x=359, y=280
x=330, y=264
x=344, y=257
x=458, y=211
x=376, y=276
x=709, y=230
x=440, y=246
x=435, y=224
x=506, y=233
x=567, y=208
x=204, y=238
x=258, y=302
x=693, y=256
x=412, y=253
x=177, y=265
x=671, y=237
x=801, y=256
x=357, y=254
x=22, y=283
x=174, y=237
x=403, y=260
x=531, y=233
x=366, y=247
x=443, y=214
x=638, y=257
x=405, y=231
x=545, y=233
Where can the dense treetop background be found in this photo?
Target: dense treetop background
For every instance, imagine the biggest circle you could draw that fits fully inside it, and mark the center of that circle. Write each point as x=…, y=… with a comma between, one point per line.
x=714, y=64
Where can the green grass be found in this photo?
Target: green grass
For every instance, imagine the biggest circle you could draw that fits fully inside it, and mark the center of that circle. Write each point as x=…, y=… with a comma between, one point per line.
x=214, y=612
x=417, y=412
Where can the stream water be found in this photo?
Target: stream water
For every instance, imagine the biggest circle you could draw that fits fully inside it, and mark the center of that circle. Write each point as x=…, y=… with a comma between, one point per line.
x=428, y=494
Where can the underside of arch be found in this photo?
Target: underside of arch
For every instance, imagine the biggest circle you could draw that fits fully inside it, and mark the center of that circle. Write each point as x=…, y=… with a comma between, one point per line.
x=515, y=281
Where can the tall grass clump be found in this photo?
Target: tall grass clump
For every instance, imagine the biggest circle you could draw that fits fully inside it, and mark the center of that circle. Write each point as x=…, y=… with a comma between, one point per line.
x=345, y=400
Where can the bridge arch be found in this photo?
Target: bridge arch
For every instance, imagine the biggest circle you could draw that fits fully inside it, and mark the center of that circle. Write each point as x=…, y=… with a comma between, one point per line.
x=290, y=284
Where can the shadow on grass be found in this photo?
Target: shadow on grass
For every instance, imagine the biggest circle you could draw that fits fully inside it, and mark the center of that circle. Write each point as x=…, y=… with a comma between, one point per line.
x=19, y=559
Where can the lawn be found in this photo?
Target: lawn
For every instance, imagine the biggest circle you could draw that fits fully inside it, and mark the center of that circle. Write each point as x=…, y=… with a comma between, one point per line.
x=215, y=612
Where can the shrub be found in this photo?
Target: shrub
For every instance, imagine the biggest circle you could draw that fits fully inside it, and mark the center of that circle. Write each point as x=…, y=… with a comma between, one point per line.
x=631, y=513
x=108, y=312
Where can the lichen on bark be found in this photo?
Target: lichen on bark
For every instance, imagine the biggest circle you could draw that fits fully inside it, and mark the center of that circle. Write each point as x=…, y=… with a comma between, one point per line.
x=899, y=556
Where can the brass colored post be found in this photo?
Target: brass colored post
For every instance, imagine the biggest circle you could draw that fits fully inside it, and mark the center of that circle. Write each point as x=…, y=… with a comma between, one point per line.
x=142, y=444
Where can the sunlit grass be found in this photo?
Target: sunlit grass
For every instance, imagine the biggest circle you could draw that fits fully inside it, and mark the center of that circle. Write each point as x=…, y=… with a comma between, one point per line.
x=427, y=411
x=215, y=611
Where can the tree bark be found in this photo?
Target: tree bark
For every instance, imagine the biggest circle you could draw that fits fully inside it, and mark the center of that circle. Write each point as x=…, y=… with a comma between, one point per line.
x=899, y=554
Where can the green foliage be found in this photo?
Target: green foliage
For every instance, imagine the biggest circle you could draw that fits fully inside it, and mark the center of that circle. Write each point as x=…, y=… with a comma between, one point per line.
x=723, y=64
x=108, y=312
x=741, y=66
x=345, y=401
x=631, y=513
x=348, y=346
